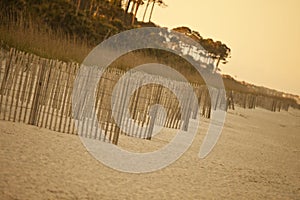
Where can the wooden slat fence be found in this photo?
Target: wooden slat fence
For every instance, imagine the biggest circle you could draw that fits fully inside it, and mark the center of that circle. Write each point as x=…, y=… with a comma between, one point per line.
x=38, y=91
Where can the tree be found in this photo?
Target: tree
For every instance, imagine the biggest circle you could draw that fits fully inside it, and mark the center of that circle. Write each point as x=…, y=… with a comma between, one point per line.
x=136, y=6
x=147, y=5
x=214, y=51
x=127, y=5
x=184, y=30
x=160, y=3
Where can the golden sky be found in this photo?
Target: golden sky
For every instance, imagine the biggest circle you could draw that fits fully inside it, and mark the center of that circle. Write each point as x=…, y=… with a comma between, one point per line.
x=262, y=34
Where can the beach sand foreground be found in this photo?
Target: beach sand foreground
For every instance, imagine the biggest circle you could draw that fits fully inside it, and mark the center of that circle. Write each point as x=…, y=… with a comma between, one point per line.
x=256, y=157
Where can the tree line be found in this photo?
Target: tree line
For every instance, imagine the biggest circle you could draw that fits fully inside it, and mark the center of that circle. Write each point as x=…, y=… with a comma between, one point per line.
x=96, y=20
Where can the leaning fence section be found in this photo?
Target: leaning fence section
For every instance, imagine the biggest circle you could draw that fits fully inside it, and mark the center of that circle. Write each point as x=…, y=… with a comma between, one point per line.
x=38, y=91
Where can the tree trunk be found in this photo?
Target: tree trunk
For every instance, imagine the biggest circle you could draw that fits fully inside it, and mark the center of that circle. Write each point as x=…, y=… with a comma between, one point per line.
x=132, y=8
x=151, y=10
x=218, y=62
x=137, y=5
x=146, y=10
x=128, y=5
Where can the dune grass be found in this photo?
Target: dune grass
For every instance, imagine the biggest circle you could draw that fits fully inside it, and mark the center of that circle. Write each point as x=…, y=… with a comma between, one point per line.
x=32, y=36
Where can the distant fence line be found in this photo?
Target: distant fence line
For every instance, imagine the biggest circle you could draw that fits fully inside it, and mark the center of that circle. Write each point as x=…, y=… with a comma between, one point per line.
x=250, y=101
x=38, y=91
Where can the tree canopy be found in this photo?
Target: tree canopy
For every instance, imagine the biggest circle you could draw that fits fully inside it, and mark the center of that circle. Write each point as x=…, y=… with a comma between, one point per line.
x=215, y=52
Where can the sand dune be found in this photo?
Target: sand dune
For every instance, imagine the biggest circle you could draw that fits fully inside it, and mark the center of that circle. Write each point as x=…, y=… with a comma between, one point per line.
x=256, y=157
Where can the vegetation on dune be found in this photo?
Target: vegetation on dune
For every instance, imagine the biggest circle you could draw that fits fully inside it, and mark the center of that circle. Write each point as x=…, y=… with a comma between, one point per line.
x=61, y=29
x=94, y=22
x=91, y=21
x=31, y=36
x=69, y=29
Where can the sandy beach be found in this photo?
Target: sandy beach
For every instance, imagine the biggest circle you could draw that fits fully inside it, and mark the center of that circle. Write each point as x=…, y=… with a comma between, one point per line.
x=256, y=157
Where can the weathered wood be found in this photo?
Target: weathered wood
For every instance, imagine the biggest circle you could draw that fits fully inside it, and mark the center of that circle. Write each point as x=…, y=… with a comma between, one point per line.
x=18, y=100
x=43, y=93
x=37, y=95
x=30, y=89
x=46, y=93
x=39, y=91
x=14, y=85
x=54, y=97
x=68, y=70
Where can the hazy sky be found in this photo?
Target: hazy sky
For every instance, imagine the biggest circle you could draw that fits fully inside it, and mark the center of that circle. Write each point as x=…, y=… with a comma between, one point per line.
x=262, y=34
